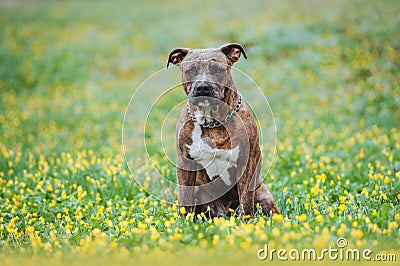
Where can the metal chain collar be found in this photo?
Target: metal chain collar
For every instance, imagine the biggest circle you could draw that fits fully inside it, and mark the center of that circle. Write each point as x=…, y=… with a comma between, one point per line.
x=218, y=123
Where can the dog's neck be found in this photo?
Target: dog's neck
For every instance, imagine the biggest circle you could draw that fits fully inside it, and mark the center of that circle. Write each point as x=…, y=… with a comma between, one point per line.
x=212, y=114
x=206, y=114
x=231, y=95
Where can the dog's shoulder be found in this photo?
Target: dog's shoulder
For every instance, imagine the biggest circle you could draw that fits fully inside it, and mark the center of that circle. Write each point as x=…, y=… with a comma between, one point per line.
x=184, y=128
x=247, y=119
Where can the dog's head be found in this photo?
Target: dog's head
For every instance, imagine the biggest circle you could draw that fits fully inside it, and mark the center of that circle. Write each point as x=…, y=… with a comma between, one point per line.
x=206, y=75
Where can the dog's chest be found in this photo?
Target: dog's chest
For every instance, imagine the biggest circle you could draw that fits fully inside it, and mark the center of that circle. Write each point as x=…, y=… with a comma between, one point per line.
x=215, y=161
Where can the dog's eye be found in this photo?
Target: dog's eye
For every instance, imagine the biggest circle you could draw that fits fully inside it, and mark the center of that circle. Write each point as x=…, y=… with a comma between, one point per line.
x=191, y=71
x=219, y=70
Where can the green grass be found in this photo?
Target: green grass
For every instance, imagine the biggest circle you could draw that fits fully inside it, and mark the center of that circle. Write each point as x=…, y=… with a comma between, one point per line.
x=330, y=71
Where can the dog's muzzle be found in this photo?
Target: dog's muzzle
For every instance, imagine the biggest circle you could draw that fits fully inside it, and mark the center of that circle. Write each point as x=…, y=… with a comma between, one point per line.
x=204, y=91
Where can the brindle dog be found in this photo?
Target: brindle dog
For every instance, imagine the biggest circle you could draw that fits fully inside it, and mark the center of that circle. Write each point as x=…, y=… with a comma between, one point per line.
x=218, y=148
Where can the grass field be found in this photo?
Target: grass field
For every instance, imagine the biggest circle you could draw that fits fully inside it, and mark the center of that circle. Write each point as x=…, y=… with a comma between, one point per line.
x=330, y=70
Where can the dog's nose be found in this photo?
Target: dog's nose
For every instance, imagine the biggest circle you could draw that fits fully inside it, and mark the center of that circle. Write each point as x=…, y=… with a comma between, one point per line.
x=203, y=90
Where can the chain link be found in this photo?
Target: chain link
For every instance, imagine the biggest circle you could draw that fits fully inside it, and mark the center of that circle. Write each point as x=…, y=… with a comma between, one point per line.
x=218, y=123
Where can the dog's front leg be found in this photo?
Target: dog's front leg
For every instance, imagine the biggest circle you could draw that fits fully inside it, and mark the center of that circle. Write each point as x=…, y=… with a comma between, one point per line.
x=245, y=194
x=247, y=182
x=187, y=181
x=246, y=198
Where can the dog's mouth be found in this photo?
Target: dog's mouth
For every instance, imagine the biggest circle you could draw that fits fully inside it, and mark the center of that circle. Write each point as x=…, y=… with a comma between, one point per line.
x=204, y=93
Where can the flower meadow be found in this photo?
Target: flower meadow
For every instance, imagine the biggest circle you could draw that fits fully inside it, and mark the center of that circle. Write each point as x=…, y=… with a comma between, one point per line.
x=330, y=71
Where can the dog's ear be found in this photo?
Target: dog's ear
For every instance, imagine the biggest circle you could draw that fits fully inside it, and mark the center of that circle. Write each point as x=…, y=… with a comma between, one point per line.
x=233, y=51
x=176, y=56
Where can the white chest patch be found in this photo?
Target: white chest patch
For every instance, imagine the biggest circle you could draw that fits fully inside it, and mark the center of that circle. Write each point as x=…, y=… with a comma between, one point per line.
x=215, y=161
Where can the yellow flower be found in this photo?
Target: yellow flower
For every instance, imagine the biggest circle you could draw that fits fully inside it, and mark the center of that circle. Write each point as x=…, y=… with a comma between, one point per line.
x=278, y=218
x=47, y=247
x=275, y=231
x=177, y=236
x=182, y=210
x=154, y=235
x=216, y=239
x=30, y=230
x=244, y=245
x=319, y=218
x=342, y=199
x=357, y=233
x=287, y=224
x=203, y=243
x=313, y=204
x=383, y=196
x=364, y=192
x=53, y=236
x=113, y=245
x=167, y=224
x=301, y=218
x=342, y=207
x=386, y=180
x=342, y=229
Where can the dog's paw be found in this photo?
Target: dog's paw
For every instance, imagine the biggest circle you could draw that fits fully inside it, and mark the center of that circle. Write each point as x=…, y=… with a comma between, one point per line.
x=264, y=198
